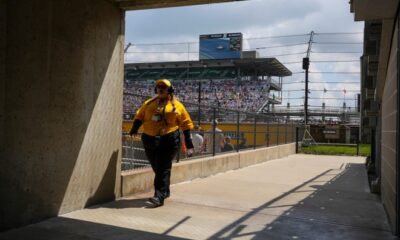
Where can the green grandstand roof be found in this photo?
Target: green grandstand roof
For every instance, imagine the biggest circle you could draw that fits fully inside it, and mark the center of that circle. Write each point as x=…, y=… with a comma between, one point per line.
x=206, y=69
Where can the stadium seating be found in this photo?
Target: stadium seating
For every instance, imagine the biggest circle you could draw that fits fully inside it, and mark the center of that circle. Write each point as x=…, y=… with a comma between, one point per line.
x=249, y=95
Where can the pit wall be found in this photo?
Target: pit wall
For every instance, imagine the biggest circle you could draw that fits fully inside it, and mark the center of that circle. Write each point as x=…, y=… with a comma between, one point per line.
x=139, y=181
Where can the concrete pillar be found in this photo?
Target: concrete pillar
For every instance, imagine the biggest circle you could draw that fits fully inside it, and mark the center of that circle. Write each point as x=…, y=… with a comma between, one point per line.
x=63, y=107
x=2, y=92
x=2, y=71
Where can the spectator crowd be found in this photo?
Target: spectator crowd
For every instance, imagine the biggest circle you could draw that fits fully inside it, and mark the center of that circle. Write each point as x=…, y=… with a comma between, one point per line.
x=246, y=95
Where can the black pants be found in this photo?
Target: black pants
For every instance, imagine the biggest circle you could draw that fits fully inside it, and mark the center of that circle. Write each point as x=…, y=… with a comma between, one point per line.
x=161, y=152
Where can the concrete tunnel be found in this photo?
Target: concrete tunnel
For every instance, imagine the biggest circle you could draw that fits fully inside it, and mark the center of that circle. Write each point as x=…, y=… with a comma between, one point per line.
x=61, y=86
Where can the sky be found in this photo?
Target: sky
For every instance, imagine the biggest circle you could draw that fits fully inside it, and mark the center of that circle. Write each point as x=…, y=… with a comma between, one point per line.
x=263, y=23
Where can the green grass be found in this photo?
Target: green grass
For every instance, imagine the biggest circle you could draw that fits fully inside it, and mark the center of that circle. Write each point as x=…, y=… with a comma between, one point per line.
x=365, y=150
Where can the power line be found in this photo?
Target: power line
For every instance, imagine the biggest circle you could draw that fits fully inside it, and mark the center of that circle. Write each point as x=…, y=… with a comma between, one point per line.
x=163, y=52
x=311, y=90
x=291, y=62
x=291, y=106
x=339, y=33
x=250, y=49
x=348, y=52
x=322, y=82
x=251, y=38
x=343, y=82
x=336, y=72
x=331, y=61
x=337, y=106
x=315, y=106
x=337, y=43
x=293, y=82
x=334, y=90
x=302, y=98
x=288, y=54
x=160, y=44
x=297, y=72
x=154, y=52
x=278, y=46
x=332, y=98
x=282, y=36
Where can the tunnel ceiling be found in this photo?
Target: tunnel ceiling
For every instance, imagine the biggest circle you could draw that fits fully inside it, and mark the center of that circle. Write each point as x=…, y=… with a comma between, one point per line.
x=148, y=4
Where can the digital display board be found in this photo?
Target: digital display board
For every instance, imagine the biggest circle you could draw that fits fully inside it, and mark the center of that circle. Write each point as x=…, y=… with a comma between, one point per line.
x=221, y=46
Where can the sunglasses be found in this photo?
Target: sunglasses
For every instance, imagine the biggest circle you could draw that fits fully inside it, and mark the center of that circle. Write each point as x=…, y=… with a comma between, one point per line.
x=161, y=90
x=162, y=87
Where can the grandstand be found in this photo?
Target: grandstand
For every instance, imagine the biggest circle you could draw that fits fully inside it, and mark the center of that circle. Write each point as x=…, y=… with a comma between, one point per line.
x=242, y=84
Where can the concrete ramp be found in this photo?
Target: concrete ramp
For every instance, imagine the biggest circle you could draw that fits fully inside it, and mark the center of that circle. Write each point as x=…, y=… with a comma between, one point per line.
x=297, y=197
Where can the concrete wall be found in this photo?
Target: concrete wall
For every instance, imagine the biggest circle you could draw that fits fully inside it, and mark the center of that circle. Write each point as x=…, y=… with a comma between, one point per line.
x=3, y=20
x=142, y=180
x=389, y=120
x=63, y=107
x=147, y=4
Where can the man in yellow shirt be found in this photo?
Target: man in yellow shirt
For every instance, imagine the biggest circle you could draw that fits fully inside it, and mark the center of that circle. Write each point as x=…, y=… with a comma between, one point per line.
x=161, y=118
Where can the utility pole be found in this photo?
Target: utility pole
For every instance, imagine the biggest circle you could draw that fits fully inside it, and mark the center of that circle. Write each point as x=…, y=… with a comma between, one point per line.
x=199, y=107
x=306, y=67
x=127, y=47
x=125, y=57
x=307, y=138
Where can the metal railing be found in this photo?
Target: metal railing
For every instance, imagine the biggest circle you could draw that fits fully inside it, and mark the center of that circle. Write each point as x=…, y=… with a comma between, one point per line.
x=232, y=132
x=318, y=110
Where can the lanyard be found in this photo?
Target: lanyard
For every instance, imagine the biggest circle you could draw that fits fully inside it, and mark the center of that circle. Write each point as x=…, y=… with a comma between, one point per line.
x=162, y=129
x=163, y=114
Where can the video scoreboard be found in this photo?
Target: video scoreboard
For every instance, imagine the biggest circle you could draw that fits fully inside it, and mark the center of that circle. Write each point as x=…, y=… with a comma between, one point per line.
x=221, y=46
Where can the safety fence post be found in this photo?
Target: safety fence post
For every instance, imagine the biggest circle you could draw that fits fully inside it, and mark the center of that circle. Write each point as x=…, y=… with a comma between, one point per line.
x=237, y=130
x=214, y=124
x=255, y=131
x=297, y=139
x=277, y=134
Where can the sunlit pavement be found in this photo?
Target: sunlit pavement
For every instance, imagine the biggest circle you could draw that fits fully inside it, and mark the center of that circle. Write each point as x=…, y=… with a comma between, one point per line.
x=297, y=197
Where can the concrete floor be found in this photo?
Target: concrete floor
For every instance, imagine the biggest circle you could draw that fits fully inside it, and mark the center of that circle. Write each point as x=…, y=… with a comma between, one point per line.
x=298, y=197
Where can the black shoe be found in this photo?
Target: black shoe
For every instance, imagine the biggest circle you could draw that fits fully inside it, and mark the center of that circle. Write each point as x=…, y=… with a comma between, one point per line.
x=165, y=197
x=156, y=201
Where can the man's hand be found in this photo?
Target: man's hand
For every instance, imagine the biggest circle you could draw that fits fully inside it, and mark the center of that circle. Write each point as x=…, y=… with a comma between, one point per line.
x=190, y=152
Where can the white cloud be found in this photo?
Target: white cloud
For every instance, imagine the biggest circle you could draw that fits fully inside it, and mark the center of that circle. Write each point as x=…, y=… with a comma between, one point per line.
x=259, y=18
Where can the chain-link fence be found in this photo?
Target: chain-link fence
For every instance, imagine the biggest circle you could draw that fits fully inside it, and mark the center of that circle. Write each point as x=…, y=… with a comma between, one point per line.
x=218, y=130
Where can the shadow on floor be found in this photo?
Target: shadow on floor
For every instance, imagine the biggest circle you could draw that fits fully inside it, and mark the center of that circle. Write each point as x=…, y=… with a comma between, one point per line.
x=126, y=203
x=67, y=229
x=336, y=204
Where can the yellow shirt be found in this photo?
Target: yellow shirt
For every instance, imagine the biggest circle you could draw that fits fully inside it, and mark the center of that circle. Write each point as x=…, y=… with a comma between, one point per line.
x=172, y=116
